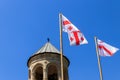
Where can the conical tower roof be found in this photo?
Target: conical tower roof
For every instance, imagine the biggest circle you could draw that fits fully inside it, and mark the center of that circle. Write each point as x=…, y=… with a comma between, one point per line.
x=47, y=50
x=48, y=47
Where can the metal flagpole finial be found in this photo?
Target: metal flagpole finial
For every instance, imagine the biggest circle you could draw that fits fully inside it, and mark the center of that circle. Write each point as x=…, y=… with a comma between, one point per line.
x=48, y=39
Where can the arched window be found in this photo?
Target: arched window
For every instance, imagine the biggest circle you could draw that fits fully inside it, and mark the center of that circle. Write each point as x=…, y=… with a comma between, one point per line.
x=38, y=73
x=52, y=72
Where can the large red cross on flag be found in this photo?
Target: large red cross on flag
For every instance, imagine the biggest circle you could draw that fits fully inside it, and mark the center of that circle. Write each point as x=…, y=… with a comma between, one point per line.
x=106, y=49
x=74, y=34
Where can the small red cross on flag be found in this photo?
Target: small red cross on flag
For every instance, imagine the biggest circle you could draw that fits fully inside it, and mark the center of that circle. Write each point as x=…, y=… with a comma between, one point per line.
x=74, y=34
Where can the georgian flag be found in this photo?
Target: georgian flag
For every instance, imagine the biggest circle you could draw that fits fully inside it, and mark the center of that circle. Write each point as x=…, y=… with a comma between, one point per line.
x=106, y=49
x=74, y=34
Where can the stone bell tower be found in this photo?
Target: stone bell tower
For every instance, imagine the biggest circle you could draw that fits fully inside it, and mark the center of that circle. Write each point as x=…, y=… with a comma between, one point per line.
x=45, y=64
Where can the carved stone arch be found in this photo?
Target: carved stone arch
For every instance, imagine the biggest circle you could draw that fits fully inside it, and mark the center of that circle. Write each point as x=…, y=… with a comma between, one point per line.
x=38, y=72
x=52, y=71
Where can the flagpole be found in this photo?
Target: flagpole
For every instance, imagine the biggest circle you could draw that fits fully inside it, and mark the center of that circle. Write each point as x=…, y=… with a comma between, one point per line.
x=61, y=46
x=98, y=57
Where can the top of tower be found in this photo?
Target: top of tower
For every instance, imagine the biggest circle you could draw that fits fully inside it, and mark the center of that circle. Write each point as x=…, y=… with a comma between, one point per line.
x=48, y=47
x=48, y=50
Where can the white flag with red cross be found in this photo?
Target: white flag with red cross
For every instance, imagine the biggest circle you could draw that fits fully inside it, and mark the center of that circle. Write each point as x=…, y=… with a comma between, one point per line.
x=74, y=34
x=106, y=49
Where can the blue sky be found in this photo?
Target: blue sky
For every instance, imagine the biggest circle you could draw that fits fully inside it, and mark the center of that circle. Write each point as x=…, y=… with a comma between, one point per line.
x=25, y=26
